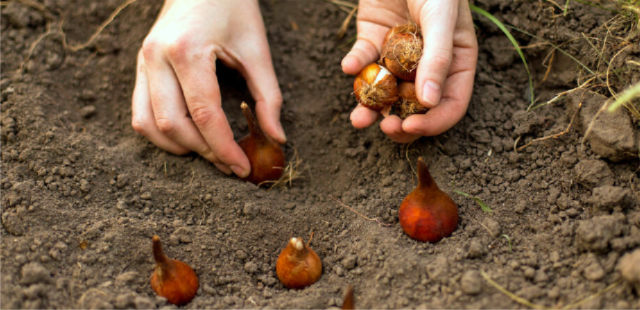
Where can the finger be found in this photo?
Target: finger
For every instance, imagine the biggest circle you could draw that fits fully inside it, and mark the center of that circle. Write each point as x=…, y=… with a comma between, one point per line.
x=373, y=21
x=436, y=121
x=169, y=108
x=363, y=52
x=362, y=117
x=392, y=127
x=142, y=119
x=367, y=47
x=437, y=21
x=195, y=68
x=257, y=69
x=455, y=98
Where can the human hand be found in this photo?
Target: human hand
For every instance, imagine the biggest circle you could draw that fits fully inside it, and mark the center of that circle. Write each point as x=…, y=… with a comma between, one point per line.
x=444, y=78
x=176, y=101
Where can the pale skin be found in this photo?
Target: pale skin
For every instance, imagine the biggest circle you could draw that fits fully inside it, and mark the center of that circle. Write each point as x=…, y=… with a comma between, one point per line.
x=176, y=102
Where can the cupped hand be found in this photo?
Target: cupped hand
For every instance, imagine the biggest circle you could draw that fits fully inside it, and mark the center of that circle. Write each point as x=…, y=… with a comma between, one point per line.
x=176, y=102
x=444, y=78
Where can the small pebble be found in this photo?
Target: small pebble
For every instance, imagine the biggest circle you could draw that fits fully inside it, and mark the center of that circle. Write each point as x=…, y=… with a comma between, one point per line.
x=476, y=249
x=145, y=196
x=629, y=268
x=471, y=282
x=127, y=278
x=125, y=301
x=142, y=302
x=251, y=267
x=34, y=273
x=529, y=272
x=492, y=226
x=95, y=298
x=88, y=111
x=594, y=272
x=349, y=262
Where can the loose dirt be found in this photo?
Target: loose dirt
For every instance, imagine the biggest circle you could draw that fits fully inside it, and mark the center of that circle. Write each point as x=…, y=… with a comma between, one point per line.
x=82, y=193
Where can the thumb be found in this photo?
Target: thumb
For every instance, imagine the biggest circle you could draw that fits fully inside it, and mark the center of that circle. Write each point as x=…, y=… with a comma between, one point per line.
x=361, y=54
x=367, y=47
x=437, y=22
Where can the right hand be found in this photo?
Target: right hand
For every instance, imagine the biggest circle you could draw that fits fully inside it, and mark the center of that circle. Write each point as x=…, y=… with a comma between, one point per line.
x=176, y=102
x=444, y=78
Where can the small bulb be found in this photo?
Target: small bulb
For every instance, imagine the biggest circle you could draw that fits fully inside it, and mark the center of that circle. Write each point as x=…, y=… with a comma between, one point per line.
x=265, y=155
x=298, y=266
x=172, y=279
x=348, y=302
x=375, y=87
x=408, y=103
x=427, y=213
x=401, y=51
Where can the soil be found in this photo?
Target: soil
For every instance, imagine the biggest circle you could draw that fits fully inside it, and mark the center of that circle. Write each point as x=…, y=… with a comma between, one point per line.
x=82, y=193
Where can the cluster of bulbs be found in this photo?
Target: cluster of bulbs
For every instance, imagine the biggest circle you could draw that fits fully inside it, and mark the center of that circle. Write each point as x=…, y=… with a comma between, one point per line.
x=389, y=84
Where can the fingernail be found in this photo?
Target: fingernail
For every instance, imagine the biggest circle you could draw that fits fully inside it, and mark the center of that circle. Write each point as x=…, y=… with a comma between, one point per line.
x=281, y=135
x=239, y=171
x=431, y=93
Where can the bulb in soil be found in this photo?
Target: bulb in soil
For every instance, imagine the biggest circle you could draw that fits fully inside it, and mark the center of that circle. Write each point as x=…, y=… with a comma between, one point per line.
x=375, y=87
x=348, y=302
x=172, y=279
x=298, y=266
x=401, y=51
x=265, y=155
x=408, y=103
x=427, y=213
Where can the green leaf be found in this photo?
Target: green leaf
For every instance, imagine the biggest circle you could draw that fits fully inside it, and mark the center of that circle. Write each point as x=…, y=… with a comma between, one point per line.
x=627, y=95
x=485, y=208
x=515, y=44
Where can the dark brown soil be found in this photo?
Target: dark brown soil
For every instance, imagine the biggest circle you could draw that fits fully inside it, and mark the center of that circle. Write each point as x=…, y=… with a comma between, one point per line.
x=82, y=193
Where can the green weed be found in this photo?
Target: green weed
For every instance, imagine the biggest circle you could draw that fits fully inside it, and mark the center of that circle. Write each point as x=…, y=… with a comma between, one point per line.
x=513, y=41
x=485, y=208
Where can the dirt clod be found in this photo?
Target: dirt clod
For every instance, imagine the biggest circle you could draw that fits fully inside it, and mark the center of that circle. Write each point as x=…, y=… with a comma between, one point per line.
x=33, y=273
x=590, y=172
x=629, y=268
x=610, y=134
x=596, y=234
x=607, y=197
x=471, y=282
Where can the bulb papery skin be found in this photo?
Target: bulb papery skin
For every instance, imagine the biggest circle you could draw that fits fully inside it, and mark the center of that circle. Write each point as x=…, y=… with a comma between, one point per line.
x=408, y=103
x=266, y=157
x=298, y=266
x=375, y=87
x=404, y=28
x=402, y=50
x=172, y=279
x=428, y=214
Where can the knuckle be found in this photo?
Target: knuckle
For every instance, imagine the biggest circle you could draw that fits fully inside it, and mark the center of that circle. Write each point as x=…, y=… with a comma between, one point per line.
x=166, y=126
x=139, y=125
x=276, y=100
x=176, y=50
x=201, y=115
x=441, y=60
x=151, y=48
x=180, y=48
